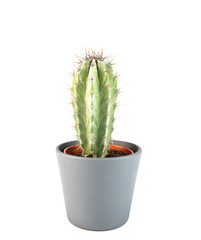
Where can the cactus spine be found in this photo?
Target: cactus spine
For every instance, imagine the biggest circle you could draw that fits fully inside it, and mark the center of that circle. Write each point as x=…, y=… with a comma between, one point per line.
x=94, y=93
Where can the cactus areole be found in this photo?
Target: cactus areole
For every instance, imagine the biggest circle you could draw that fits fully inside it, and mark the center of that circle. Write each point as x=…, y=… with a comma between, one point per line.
x=94, y=93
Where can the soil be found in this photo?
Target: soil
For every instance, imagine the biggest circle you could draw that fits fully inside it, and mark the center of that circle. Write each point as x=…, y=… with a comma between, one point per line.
x=114, y=153
x=110, y=153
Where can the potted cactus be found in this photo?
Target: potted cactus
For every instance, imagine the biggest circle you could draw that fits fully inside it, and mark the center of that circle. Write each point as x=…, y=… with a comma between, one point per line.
x=98, y=174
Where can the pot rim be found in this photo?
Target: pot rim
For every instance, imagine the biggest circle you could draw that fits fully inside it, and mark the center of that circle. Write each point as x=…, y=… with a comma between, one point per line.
x=138, y=152
x=125, y=150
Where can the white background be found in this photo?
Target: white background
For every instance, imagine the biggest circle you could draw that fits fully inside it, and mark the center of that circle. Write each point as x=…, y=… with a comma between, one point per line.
x=158, y=53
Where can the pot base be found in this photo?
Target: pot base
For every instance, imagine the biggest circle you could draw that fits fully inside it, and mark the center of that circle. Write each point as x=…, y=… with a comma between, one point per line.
x=97, y=229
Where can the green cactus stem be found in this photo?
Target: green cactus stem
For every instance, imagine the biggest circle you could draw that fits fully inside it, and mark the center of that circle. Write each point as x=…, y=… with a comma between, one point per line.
x=94, y=94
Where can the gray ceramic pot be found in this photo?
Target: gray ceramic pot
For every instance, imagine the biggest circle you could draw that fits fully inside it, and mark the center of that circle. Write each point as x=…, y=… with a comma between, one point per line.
x=98, y=191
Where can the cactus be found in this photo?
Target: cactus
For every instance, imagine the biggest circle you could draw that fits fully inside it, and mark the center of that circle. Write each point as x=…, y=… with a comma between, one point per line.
x=94, y=92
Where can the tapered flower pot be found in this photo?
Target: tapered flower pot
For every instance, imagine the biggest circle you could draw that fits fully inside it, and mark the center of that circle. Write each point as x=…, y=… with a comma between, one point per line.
x=98, y=191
